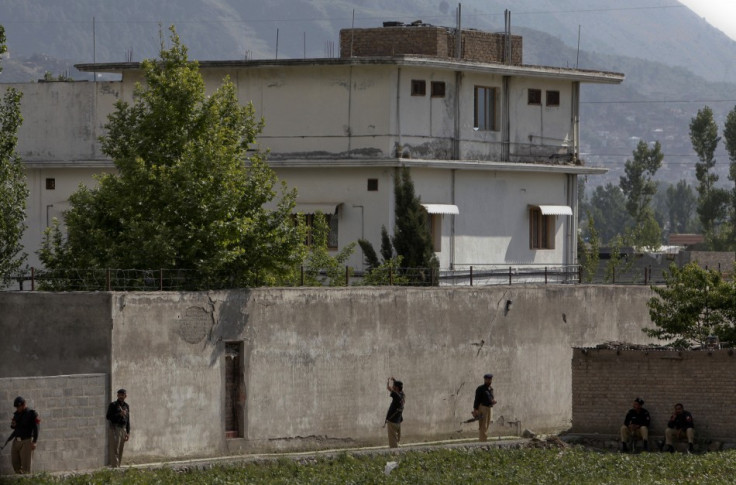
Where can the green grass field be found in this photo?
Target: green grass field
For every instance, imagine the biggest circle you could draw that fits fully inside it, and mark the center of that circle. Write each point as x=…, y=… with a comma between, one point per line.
x=457, y=466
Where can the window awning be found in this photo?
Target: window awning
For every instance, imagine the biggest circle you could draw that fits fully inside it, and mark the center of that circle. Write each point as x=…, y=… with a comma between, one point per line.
x=555, y=210
x=312, y=207
x=441, y=209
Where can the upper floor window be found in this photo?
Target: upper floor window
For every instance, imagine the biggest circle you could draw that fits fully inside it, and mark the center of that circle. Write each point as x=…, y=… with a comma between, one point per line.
x=418, y=87
x=541, y=229
x=485, y=109
x=438, y=89
x=553, y=98
x=534, y=96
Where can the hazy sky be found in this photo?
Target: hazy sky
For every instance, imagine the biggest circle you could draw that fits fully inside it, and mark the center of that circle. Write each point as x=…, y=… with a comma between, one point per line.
x=719, y=13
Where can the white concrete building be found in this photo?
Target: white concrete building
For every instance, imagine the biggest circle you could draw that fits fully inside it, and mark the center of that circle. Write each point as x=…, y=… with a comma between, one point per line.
x=493, y=145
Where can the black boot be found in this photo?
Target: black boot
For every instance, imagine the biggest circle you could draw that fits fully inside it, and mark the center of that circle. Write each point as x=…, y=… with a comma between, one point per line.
x=624, y=447
x=646, y=445
x=669, y=448
x=690, y=448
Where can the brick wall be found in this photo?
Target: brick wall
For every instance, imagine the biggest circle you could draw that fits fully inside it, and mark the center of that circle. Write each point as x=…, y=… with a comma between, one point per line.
x=72, y=433
x=605, y=383
x=427, y=41
x=722, y=261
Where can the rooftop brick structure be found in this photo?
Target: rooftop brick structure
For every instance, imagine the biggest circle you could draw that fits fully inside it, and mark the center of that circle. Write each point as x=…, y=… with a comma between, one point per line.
x=428, y=40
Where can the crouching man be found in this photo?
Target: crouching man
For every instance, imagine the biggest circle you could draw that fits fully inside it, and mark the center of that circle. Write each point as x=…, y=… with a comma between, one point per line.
x=636, y=425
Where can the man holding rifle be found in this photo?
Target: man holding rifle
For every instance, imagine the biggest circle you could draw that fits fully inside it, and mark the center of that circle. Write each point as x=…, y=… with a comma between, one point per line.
x=483, y=406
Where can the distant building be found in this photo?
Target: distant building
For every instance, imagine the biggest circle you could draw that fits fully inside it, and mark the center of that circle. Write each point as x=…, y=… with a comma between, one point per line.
x=492, y=144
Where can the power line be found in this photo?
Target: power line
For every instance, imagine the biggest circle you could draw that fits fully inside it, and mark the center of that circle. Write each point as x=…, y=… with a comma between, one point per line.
x=322, y=19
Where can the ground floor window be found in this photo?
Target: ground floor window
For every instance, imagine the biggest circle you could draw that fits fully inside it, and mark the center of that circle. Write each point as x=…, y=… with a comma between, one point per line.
x=541, y=229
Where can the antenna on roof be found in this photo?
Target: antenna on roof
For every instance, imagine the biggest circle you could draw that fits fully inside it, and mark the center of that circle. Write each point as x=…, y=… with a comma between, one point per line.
x=458, y=35
x=507, y=36
x=352, y=34
x=94, y=49
x=277, y=43
x=577, y=56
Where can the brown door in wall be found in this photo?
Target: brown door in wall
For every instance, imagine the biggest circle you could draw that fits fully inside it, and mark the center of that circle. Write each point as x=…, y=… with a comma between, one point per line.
x=233, y=389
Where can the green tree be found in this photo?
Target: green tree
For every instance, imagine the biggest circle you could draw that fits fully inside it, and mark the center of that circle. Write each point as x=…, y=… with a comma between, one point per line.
x=694, y=304
x=318, y=259
x=588, y=254
x=608, y=207
x=638, y=184
x=13, y=189
x=388, y=271
x=410, y=251
x=412, y=240
x=681, y=202
x=729, y=136
x=187, y=194
x=712, y=201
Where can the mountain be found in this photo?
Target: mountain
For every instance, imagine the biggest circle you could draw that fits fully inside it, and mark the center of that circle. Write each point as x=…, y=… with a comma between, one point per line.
x=668, y=53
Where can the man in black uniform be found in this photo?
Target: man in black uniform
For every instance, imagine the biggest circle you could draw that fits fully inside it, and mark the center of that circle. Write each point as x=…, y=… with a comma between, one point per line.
x=636, y=425
x=681, y=422
x=25, y=434
x=118, y=414
x=394, y=416
x=483, y=406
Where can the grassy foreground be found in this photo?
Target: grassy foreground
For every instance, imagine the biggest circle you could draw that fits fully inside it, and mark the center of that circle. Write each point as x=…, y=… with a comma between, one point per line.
x=494, y=466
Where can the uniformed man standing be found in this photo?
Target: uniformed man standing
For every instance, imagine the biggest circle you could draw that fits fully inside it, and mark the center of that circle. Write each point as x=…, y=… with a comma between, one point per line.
x=25, y=434
x=483, y=406
x=395, y=414
x=118, y=414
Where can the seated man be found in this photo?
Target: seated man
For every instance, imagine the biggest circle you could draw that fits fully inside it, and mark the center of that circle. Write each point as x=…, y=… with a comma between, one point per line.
x=636, y=425
x=680, y=424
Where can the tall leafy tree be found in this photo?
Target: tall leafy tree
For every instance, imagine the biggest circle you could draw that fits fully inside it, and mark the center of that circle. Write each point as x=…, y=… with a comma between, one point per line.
x=608, y=207
x=412, y=240
x=694, y=304
x=13, y=189
x=681, y=202
x=639, y=187
x=712, y=201
x=187, y=194
x=729, y=137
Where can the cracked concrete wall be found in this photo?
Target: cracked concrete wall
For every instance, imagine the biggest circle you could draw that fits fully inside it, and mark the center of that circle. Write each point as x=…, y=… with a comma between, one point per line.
x=316, y=359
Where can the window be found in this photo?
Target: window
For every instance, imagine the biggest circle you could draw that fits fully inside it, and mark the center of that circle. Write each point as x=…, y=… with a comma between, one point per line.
x=330, y=219
x=418, y=87
x=541, y=229
x=553, y=98
x=484, y=113
x=534, y=96
x=372, y=185
x=434, y=225
x=50, y=184
x=438, y=89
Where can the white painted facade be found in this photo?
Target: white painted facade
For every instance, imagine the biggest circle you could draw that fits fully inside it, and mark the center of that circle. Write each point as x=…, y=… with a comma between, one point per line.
x=333, y=124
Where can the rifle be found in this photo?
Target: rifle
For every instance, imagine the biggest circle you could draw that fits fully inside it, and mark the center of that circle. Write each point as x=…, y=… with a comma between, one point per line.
x=12, y=435
x=473, y=419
